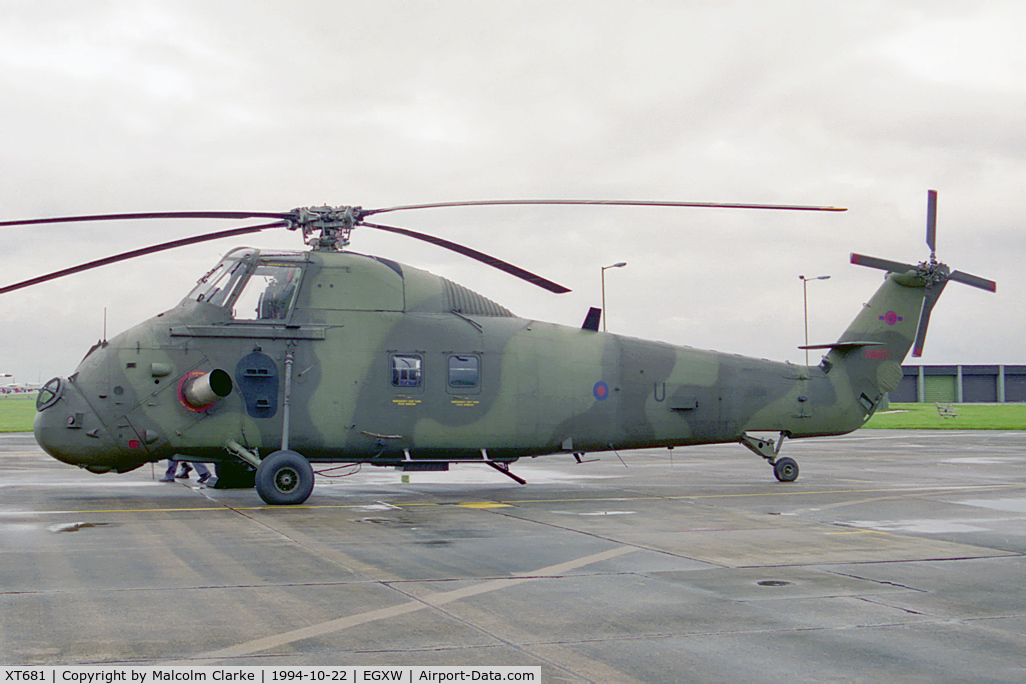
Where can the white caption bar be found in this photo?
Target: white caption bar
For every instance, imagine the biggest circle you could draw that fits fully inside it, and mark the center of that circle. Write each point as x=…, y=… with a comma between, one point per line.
x=112, y=674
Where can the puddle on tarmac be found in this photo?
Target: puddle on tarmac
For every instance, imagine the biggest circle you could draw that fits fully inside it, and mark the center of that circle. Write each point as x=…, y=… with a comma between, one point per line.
x=1013, y=505
x=390, y=522
x=74, y=527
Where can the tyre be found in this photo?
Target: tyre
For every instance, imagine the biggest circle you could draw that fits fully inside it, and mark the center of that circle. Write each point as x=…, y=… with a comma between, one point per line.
x=284, y=479
x=786, y=469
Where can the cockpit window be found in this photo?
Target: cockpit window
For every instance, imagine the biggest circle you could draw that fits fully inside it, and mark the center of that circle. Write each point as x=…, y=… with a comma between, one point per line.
x=49, y=394
x=216, y=285
x=255, y=286
x=268, y=294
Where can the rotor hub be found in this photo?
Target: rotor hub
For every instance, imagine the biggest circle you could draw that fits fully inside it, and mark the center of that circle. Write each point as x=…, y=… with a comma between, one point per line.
x=326, y=229
x=933, y=271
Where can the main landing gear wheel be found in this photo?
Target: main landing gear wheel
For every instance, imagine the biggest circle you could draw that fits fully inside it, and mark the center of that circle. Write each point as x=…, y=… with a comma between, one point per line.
x=785, y=469
x=284, y=479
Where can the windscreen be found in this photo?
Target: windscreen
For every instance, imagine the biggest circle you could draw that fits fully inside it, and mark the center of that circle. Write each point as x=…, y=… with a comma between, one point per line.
x=218, y=283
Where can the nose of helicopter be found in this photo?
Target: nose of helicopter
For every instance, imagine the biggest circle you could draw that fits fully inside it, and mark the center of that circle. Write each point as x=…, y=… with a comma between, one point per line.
x=68, y=429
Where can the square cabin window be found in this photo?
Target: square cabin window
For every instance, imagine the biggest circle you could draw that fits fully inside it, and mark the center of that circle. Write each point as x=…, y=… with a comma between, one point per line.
x=463, y=371
x=407, y=370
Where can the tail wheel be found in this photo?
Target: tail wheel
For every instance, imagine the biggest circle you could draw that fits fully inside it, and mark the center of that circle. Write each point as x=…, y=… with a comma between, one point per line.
x=284, y=478
x=785, y=469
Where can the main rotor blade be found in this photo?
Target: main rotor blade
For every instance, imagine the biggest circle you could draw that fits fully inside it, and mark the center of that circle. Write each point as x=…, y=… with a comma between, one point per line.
x=236, y=215
x=933, y=293
x=882, y=264
x=140, y=252
x=474, y=254
x=608, y=203
x=974, y=281
x=931, y=221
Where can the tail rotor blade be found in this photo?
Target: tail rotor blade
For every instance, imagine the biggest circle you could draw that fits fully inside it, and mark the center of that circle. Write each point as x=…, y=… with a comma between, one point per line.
x=932, y=275
x=974, y=281
x=882, y=264
x=931, y=221
x=933, y=293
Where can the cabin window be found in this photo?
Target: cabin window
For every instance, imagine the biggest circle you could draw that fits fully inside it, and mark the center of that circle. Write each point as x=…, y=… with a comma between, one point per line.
x=268, y=294
x=407, y=370
x=463, y=371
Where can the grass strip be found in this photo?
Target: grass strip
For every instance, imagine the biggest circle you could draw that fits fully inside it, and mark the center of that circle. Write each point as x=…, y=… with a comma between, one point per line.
x=968, y=417
x=17, y=412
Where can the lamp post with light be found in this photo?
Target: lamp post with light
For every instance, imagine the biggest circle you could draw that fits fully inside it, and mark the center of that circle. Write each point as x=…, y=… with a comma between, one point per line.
x=619, y=264
x=805, y=305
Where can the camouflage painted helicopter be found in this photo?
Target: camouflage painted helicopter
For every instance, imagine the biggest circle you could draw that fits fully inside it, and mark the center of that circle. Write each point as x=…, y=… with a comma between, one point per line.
x=279, y=360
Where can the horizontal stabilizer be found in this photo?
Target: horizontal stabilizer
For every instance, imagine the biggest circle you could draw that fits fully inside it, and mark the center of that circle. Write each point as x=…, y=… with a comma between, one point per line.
x=843, y=346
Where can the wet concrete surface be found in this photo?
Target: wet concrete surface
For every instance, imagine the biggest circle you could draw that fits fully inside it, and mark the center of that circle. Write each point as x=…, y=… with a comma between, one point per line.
x=896, y=556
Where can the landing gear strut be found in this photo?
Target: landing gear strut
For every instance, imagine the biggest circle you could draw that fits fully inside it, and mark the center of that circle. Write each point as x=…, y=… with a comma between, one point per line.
x=784, y=469
x=283, y=478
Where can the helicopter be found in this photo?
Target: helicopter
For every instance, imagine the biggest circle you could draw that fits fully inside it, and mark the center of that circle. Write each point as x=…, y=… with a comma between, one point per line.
x=280, y=361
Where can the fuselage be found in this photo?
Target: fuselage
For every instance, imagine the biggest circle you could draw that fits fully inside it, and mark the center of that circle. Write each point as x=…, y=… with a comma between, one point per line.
x=373, y=361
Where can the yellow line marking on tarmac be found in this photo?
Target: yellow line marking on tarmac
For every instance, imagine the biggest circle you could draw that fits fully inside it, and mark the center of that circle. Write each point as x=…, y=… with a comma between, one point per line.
x=483, y=504
x=684, y=497
x=432, y=600
x=225, y=508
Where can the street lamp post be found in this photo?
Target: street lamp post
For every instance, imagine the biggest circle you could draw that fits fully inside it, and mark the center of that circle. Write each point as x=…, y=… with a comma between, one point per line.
x=619, y=264
x=805, y=305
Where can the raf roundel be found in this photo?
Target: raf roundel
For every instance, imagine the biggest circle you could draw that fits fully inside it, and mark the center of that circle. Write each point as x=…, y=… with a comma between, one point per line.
x=600, y=390
x=890, y=318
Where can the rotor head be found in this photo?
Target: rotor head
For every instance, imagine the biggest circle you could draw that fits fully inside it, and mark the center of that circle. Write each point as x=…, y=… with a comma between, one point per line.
x=325, y=229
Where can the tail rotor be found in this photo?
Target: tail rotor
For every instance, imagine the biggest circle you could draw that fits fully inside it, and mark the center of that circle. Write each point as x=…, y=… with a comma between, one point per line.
x=931, y=275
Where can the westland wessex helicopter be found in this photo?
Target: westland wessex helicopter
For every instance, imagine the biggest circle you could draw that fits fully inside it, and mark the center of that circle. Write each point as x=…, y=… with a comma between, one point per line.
x=279, y=361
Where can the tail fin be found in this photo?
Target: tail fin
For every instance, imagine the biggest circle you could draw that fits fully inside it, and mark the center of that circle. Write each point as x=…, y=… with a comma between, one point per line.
x=876, y=342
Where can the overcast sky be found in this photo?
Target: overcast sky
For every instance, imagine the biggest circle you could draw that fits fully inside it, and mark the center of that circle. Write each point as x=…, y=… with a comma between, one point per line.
x=265, y=106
